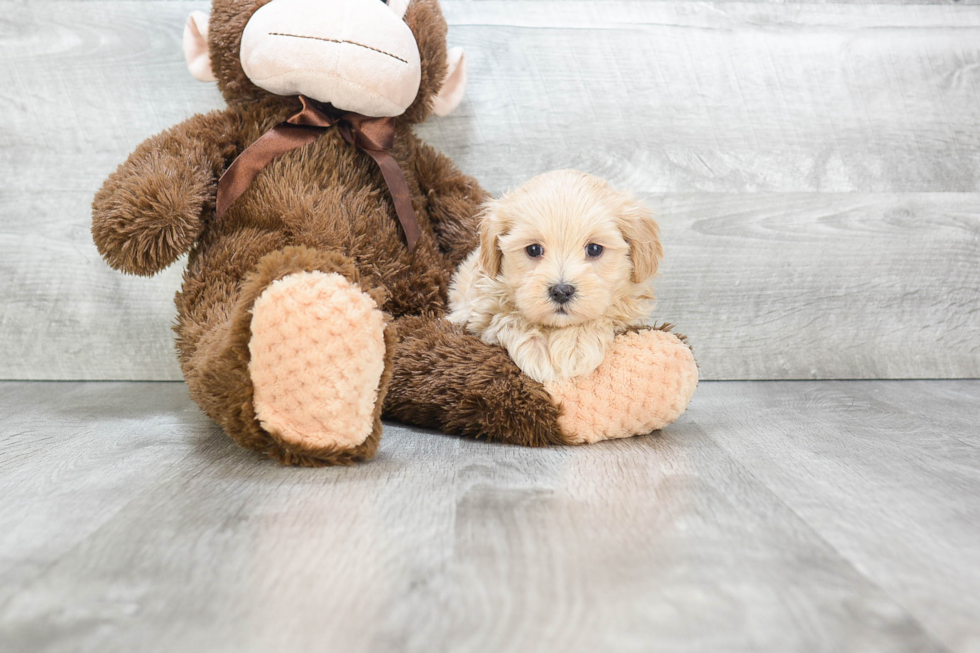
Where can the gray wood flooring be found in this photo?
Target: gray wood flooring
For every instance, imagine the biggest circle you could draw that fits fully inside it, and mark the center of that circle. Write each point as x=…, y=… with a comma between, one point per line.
x=814, y=167
x=779, y=516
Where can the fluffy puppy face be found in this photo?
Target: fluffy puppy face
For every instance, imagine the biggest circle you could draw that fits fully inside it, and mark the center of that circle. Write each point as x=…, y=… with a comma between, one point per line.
x=569, y=248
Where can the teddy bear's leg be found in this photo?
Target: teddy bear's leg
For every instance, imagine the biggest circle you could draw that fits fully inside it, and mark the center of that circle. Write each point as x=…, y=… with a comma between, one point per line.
x=645, y=383
x=300, y=367
x=448, y=380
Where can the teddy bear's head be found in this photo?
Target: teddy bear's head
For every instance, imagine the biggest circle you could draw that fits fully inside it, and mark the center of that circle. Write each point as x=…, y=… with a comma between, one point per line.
x=374, y=57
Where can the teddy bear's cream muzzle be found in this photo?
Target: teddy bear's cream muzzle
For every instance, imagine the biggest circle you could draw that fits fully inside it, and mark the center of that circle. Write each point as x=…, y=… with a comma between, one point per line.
x=358, y=56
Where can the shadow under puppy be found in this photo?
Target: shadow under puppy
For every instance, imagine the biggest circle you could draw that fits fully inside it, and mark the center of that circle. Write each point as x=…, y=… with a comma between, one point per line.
x=564, y=264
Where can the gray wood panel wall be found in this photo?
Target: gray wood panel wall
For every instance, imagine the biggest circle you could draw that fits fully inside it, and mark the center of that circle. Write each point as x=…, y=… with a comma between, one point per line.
x=815, y=167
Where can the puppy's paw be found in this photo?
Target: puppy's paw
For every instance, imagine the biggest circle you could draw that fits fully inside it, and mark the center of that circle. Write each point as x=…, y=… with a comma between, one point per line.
x=578, y=350
x=644, y=383
x=530, y=353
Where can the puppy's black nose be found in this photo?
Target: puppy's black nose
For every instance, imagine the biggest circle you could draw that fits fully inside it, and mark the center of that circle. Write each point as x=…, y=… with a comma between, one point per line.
x=562, y=293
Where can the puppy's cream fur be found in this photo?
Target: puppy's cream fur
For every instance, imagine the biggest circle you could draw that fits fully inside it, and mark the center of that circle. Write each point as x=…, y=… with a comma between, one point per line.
x=501, y=293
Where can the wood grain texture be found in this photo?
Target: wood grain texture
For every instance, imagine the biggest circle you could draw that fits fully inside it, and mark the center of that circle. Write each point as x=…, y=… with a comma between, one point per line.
x=814, y=285
x=812, y=516
x=677, y=97
x=887, y=473
x=72, y=455
x=827, y=118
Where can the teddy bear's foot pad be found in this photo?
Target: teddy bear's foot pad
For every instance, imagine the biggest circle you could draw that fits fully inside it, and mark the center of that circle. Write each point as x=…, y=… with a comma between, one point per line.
x=317, y=356
x=644, y=383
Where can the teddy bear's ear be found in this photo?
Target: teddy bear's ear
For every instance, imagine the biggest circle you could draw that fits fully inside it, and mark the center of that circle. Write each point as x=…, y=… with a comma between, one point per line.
x=196, y=51
x=398, y=6
x=454, y=87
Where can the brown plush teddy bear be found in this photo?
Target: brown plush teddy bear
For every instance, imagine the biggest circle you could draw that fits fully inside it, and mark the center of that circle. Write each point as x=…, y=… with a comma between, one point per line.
x=323, y=235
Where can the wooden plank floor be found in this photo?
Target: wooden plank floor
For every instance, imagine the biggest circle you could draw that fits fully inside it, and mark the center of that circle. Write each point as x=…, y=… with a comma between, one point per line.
x=807, y=516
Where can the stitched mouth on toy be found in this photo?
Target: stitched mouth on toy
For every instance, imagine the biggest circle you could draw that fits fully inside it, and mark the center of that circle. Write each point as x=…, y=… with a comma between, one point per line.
x=341, y=42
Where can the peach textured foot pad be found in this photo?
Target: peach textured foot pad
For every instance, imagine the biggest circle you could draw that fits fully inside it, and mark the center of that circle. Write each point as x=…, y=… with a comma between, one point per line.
x=644, y=384
x=317, y=352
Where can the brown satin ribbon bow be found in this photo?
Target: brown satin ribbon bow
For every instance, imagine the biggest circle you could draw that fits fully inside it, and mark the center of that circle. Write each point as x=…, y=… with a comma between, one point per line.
x=375, y=136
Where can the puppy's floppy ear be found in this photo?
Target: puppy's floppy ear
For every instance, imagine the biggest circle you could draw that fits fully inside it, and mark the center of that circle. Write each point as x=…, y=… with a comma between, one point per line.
x=492, y=227
x=641, y=231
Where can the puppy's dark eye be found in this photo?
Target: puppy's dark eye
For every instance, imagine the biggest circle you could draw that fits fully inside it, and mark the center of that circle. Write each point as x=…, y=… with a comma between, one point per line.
x=534, y=251
x=593, y=250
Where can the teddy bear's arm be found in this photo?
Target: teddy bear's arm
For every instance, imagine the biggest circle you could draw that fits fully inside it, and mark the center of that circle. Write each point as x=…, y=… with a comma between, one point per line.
x=454, y=202
x=152, y=208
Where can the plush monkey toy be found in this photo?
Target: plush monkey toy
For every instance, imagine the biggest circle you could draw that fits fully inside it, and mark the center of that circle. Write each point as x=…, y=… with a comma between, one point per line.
x=314, y=294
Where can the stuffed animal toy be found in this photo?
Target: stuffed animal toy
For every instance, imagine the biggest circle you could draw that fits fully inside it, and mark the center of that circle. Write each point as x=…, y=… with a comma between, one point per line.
x=322, y=238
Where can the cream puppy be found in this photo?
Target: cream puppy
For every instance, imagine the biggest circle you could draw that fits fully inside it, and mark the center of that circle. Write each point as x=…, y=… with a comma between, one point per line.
x=563, y=264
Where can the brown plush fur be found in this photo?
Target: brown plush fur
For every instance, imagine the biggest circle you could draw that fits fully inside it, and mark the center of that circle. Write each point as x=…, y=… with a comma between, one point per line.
x=471, y=388
x=322, y=207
